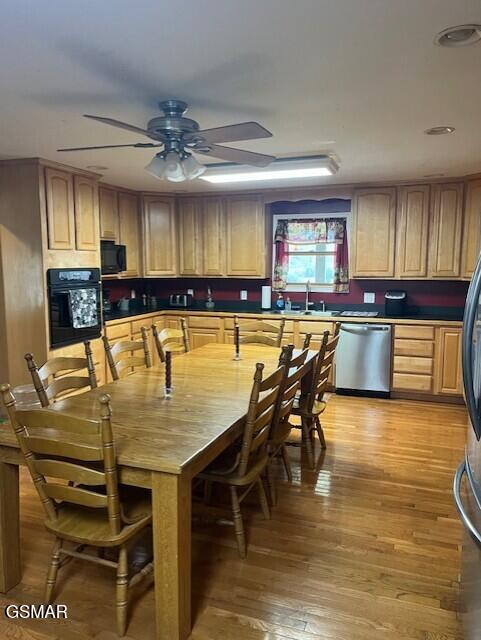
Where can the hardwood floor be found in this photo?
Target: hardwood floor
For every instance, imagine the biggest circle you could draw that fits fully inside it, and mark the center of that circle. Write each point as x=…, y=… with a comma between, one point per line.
x=366, y=547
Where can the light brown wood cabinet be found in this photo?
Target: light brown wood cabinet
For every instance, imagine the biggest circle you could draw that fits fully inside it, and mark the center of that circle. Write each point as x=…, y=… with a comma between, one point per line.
x=129, y=232
x=60, y=209
x=86, y=205
x=190, y=236
x=373, y=233
x=109, y=214
x=412, y=231
x=449, y=378
x=445, y=231
x=246, y=237
x=160, y=238
x=472, y=229
x=213, y=236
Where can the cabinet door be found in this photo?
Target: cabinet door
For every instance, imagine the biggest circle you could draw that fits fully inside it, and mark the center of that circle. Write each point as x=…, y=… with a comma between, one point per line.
x=472, y=228
x=412, y=232
x=109, y=214
x=129, y=232
x=159, y=236
x=86, y=214
x=60, y=209
x=246, y=237
x=190, y=256
x=372, y=242
x=449, y=371
x=200, y=337
x=445, y=233
x=213, y=237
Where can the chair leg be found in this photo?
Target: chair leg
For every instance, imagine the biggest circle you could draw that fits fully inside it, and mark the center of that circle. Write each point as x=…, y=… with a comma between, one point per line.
x=263, y=500
x=287, y=462
x=238, y=524
x=320, y=433
x=122, y=588
x=306, y=439
x=53, y=570
x=271, y=483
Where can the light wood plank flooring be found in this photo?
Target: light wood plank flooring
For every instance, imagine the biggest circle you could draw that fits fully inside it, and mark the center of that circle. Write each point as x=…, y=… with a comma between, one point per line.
x=364, y=548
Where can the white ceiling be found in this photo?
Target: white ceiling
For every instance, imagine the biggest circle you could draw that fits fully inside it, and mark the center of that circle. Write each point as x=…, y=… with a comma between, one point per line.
x=359, y=78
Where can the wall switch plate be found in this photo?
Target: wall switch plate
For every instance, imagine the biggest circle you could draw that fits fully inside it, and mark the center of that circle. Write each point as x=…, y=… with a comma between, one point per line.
x=190, y=292
x=243, y=294
x=369, y=297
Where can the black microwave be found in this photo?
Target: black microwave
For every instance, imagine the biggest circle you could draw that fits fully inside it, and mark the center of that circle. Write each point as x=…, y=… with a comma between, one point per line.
x=113, y=257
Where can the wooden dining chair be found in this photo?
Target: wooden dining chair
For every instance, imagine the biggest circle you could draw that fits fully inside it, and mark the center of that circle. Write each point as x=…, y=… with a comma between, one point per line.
x=173, y=340
x=242, y=465
x=77, y=483
x=50, y=387
x=120, y=356
x=257, y=331
x=311, y=405
x=294, y=371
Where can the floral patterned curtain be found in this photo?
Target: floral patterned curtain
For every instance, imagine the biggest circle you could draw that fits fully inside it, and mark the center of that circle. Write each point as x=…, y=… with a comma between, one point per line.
x=313, y=231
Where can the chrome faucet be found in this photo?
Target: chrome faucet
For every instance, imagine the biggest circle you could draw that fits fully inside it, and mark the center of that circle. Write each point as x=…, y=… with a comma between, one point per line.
x=308, y=290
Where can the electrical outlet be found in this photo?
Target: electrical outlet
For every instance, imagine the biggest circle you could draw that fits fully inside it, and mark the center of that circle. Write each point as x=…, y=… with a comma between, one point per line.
x=369, y=297
x=191, y=292
x=243, y=294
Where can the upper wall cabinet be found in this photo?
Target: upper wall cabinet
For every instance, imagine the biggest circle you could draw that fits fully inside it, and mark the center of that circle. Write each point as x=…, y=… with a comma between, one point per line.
x=109, y=214
x=412, y=231
x=213, y=236
x=472, y=229
x=190, y=251
x=129, y=232
x=86, y=213
x=445, y=231
x=246, y=237
x=160, y=242
x=60, y=209
x=373, y=233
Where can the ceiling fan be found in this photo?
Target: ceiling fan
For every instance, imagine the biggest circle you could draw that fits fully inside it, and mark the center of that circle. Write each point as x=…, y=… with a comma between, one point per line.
x=180, y=136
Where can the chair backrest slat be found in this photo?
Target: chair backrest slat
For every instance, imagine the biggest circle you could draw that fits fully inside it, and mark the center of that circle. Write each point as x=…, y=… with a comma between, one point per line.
x=121, y=364
x=173, y=340
x=257, y=331
x=51, y=447
x=71, y=472
x=63, y=492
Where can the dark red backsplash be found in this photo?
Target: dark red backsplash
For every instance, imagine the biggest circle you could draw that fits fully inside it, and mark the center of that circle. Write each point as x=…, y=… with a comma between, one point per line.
x=420, y=293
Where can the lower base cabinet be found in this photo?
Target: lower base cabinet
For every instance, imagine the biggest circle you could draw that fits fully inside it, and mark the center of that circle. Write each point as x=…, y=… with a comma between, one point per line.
x=449, y=379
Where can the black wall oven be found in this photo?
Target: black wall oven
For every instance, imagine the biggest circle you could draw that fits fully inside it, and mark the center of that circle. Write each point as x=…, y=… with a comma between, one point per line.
x=74, y=305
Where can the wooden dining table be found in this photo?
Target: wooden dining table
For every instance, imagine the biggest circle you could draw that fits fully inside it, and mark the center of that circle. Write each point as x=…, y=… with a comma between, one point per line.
x=161, y=444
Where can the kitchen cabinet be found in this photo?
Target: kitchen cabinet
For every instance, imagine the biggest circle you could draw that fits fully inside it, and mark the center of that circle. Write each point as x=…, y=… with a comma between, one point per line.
x=160, y=240
x=213, y=236
x=472, y=229
x=445, y=231
x=412, y=231
x=373, y=233
x=86, y=207
x=449, y=377
x=129, y=232
x=190, y=249
x=246, y=237
x=109, y=214
x=60, y=209
x=204, y=330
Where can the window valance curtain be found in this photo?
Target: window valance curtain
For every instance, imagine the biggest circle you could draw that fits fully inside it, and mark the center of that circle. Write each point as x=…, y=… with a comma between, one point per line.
x=312, y=231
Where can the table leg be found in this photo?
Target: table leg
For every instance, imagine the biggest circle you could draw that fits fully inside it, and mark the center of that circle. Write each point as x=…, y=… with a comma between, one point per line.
x=10, y=573
x=171, y=511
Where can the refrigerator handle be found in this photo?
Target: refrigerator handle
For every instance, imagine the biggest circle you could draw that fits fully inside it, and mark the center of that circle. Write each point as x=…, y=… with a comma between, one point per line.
x=470, y=318
x=474, y=533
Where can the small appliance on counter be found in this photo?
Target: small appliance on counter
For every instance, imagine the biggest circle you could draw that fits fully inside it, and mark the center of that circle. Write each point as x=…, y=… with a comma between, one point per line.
x=395, y=303
x=182, y=300
x=113, y=257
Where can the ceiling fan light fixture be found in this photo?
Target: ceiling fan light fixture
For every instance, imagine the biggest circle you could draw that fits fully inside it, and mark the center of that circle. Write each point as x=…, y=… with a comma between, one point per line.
x=192, y=168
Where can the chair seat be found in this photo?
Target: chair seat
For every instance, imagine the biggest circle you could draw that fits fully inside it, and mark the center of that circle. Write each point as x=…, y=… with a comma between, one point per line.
x=216, y=472
x=298, y=408
x=88, y=526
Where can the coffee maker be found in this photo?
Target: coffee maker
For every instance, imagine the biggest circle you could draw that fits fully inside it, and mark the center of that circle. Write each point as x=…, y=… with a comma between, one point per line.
x=395, y=303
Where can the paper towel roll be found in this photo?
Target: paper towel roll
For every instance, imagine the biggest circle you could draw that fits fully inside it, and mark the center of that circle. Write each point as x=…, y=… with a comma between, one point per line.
x=266, y=297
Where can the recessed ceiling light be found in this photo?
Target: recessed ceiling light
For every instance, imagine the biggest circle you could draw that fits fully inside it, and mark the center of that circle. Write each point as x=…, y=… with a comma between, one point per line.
x=439, y=131
x=282, y=169
x=96, y=167
x=459, y=36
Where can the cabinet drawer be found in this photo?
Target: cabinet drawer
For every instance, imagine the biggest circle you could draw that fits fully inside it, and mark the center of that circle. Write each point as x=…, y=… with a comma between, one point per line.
x=412, y=364
x=415, y=332
x=203, y=322
x=412, y=382
x=421, y=348
x=118, y=331
x=288, y=327
x=316, y=328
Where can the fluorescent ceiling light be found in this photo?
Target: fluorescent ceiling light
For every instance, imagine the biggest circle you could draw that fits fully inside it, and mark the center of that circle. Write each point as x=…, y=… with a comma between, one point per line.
x=283, y=169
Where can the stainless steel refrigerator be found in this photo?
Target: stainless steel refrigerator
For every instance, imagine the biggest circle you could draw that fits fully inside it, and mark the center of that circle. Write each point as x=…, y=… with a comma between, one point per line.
x=467, y=494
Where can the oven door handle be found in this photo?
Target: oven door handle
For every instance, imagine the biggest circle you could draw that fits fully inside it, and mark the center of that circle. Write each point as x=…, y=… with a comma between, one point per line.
x=469, y=526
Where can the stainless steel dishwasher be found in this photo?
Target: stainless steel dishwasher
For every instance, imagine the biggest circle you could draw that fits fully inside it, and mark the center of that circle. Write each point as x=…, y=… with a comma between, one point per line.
x=363, y=359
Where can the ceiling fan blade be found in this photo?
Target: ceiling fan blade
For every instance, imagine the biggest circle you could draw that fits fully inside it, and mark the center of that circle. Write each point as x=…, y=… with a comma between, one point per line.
x=238, y=156
x=234, y=132
x=139, y=145
x=120, y=125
